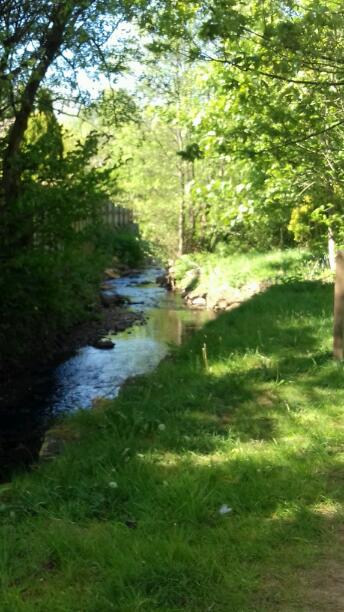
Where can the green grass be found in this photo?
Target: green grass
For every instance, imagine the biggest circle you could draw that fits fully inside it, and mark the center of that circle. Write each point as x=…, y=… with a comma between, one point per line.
x=236, y=270
x=128, y=518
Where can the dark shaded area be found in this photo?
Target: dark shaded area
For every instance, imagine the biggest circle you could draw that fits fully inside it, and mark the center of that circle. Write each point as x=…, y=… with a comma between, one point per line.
x=153, y=440
x=26, y=409
x=30, y=401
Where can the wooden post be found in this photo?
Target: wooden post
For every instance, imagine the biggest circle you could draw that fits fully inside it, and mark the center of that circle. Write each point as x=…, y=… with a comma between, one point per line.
x=338, y=326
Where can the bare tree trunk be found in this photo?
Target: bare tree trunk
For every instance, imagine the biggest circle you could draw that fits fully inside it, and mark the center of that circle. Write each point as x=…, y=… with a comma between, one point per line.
x=181, y=221
x=331, y=250
x=192, y=214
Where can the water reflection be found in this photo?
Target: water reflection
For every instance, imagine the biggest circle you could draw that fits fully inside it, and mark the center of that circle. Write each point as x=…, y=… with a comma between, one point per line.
x=97, y=373
x=92, y=373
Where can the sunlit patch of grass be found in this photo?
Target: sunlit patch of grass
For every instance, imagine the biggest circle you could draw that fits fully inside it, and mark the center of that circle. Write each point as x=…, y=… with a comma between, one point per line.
x=279, y=266
x=129, y=517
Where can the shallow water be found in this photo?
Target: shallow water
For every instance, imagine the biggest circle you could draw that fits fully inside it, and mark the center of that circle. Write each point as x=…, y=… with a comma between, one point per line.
x=93, y=373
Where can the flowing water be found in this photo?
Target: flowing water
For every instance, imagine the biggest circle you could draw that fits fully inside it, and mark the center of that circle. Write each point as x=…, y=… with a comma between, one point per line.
x=97, y=373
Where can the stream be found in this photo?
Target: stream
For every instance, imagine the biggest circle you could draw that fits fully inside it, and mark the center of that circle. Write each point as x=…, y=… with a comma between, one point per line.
x=93, y=373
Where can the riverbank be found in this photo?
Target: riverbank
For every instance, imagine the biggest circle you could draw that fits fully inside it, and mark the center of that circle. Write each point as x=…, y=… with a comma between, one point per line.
x=77, y=310
x=133, y=342
x=214, y=483
x=46, y=295
x=24, y=417
x=223, y=282
x=27, y=380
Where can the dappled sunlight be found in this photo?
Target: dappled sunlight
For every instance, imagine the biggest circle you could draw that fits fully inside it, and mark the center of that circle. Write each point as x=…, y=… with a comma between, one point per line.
x=194, y=462
x=329, y=509
x=236, y=465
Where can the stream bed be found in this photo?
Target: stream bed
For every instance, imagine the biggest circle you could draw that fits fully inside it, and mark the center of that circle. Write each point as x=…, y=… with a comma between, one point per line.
x=93, y=373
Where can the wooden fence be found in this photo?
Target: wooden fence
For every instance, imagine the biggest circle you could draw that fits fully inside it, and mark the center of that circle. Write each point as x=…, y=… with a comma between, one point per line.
x=112, y=215
x=117, y=216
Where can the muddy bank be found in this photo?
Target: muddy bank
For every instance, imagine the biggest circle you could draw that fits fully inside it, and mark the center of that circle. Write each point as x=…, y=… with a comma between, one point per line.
x=104, y=318
x=24, y=412
x=138, y=320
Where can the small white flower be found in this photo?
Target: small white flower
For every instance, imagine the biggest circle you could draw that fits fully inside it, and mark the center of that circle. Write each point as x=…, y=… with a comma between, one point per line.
x=225, y=509
x=113, y=484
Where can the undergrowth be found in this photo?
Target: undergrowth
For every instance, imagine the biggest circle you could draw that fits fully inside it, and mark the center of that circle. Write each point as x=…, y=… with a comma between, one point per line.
x=45, y=292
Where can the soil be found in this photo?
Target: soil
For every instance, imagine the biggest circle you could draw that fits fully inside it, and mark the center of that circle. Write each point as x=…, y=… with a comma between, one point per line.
x=323, y=586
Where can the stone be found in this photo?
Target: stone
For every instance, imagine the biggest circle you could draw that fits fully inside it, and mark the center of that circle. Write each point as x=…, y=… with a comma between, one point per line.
x=55, y=440
x=234, y=305
x=222, y=305
x=104, y=344
x=111, y=273
x=224, y=295
x=51, y=447
x=111, y=299
x=190, y=280
x=199, y=302
x=101, y=403
x=161, y=280
x=196, y=294
x=121, y=326
x=251, y=288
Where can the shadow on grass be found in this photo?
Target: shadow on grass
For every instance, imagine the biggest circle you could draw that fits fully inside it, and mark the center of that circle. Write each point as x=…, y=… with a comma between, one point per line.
x=257, y=431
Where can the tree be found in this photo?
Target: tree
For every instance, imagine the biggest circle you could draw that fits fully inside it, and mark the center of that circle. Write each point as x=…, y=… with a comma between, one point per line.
x=283, y=67
x=45, y=43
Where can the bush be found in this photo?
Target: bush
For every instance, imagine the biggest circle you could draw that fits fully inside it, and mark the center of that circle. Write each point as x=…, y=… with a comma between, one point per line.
x=129, y=248
x=44, y=293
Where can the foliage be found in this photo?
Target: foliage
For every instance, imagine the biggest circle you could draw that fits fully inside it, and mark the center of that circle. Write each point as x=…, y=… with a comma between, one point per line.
x=51, y=194
x=224, y=197
x=135, y=498
x=255, y=94
x=44, y=294
x=129, y=248
x=52, y=282
x=284, y=96
x=148, y=180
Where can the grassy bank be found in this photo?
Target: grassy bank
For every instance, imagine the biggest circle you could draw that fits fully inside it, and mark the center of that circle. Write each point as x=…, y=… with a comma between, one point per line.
x=129, y=519
x=44, y=293
x=216, y=270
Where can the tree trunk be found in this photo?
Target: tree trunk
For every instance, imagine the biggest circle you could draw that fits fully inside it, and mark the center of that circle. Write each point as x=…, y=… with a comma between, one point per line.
x=181, y=221
x=11, y=171
x=192, y=213
x=331, y=250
